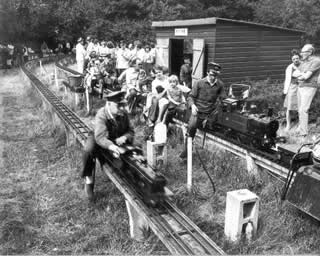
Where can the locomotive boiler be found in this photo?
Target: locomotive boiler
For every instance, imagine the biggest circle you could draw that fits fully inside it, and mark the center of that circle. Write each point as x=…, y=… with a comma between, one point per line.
x=133, y=167
x=248, y=122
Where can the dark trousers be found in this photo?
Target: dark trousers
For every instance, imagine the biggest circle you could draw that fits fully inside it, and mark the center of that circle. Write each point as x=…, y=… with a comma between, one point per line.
x=92, y=152
x=195, y=121
x=119, y=71
x=89, y=156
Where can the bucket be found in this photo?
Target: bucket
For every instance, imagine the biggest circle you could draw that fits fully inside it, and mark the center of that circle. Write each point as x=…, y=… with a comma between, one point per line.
x=75, y=81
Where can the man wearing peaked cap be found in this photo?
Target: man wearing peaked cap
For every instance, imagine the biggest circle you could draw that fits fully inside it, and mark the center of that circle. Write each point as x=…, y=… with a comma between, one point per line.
x=117, y=97
x=202, y=100
x=112, y=129
x=214, y=67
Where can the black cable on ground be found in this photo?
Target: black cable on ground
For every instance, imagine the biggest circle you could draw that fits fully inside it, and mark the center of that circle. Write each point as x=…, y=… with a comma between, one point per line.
x=205, y=169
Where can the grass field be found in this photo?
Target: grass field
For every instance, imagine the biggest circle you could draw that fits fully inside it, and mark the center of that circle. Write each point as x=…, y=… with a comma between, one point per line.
x=43, y=209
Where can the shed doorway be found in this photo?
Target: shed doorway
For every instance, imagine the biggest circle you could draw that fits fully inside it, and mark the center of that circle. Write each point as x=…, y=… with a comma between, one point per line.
x=178, y=49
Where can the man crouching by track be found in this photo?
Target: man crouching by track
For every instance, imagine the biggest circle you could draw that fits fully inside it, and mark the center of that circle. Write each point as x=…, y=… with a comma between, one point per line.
x=112, y=129
x=202, y=100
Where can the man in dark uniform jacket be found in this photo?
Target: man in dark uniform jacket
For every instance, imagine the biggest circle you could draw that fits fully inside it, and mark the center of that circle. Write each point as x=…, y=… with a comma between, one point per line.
x=112, y=129
x=202, y=99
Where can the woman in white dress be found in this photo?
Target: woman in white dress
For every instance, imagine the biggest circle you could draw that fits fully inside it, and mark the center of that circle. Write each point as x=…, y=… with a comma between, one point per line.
x=291, y=87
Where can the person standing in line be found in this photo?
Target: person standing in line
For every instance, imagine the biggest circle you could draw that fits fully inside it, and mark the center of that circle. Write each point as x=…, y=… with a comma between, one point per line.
x=122, y=58
x=308, y=84
x=25, y=53
x=291, y=87
x=186, y=72
x=202, y=100
x=90, y=46
x=148, y=59
x=80, y=55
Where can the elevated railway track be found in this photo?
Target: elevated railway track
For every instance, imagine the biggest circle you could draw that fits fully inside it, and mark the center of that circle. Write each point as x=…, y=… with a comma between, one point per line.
x=177, y=232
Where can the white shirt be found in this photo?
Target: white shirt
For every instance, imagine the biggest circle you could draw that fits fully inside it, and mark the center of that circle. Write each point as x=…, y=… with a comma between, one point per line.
x=156, y=82
x=140, y=54
x=122, y=58
x=131, y=77
x=103, y=50
x=90, y=48
x=80, y=52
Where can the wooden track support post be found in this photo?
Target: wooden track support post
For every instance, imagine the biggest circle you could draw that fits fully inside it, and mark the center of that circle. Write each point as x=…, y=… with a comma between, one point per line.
x=137, y=223
x=189, y=163
x=56, y=77
x=71, y=139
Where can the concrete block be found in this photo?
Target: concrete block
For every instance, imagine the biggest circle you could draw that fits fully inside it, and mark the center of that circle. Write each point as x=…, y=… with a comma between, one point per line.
x=157, y=154
x=137, y=223
x=242, y=207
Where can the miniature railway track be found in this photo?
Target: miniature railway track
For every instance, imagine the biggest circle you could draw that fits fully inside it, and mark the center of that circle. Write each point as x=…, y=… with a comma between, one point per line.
x=178, y=233
x=266, y=160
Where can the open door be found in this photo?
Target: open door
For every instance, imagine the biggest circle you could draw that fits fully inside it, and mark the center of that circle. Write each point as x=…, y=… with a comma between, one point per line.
x=198, y=59
x=162, y=52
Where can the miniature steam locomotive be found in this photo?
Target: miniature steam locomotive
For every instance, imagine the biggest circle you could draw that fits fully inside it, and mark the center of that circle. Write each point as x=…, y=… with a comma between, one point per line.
x=243, y=120
x=133, y=167
x=256, y=129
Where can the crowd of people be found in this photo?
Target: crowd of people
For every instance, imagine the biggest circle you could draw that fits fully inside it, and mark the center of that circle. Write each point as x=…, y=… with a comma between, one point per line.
x=13, y=55
x=131, y=66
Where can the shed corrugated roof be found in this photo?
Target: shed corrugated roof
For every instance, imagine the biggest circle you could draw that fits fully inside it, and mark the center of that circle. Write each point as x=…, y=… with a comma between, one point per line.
x=213, y=21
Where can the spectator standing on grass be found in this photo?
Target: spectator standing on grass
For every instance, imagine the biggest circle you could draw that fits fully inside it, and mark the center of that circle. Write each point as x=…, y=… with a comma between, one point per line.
x=291, y=87
x=90, y=46
x=25, y=53
x=202, y=99
x=148, y=59
x=308, y=84
x=186, y=71
x=122, y=58
x=112, y=130
x=80, y=55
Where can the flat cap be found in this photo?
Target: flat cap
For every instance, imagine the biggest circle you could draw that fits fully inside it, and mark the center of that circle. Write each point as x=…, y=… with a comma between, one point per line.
x=213, y=67
x=117, y=97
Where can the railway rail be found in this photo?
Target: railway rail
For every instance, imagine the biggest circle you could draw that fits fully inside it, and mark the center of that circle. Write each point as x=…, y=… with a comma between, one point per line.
x=263, y=159
x=178, y=233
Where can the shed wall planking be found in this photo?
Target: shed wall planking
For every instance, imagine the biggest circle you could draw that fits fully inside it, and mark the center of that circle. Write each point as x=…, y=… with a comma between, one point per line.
x=253, y=52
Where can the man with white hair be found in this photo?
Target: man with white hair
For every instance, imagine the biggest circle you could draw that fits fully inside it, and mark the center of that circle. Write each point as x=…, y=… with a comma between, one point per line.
x=308, y=83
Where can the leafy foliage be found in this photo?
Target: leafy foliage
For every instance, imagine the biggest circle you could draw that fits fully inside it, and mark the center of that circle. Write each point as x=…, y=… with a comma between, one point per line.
x=61, y=20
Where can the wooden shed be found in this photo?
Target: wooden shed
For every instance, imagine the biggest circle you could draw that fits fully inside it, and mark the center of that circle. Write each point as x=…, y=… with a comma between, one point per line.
x=245, y=50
